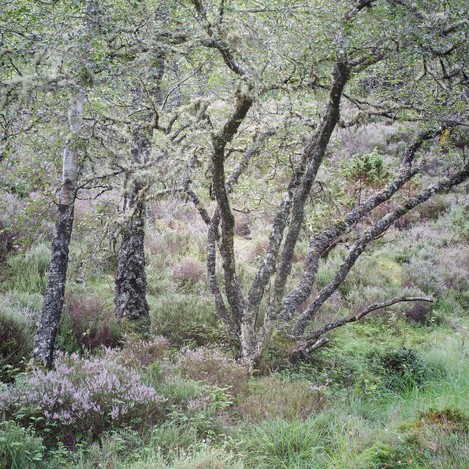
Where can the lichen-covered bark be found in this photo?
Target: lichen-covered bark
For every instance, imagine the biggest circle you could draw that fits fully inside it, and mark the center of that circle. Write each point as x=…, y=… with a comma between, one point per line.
x=323, y=241
x=54, y=295
x=377, y=229
x=130, y=280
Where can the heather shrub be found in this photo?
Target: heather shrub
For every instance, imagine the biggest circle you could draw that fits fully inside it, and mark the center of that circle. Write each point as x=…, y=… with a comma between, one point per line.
x=212, y=366
x=19, y=448
x=439, y=437
x=243, y=225
x=138, y=353
x=454, y=268
x=380, y=455
x=272, y=397
x=16, y=341
x=27, y=272
x=433, y=208
x=419, y=312
x=460, y=222
x=87, y=323
x=400, y=367
x=24, y=304
x=188, y=272
x=81, y=398
x=7, y=239
x=424, y=275
x=185, y=319
x=178, y=391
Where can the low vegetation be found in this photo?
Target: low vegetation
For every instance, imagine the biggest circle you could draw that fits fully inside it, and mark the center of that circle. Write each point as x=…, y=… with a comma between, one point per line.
x=391, y=391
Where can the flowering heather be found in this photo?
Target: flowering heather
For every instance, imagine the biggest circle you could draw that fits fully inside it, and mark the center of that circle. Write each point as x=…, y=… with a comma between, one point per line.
x=212, y=367
x=80, y=395
x=138, y=353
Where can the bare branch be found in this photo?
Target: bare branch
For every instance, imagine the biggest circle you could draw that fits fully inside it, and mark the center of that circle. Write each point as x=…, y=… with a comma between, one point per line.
x=313, y=336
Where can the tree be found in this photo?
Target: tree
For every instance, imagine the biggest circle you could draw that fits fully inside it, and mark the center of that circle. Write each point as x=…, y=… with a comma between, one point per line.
x=56, y=279
x=399, y=40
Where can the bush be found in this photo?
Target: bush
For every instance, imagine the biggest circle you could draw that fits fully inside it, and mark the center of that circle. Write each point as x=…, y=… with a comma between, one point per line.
x=460, y=222
x=27, y=272
x=142, y=353
x=188, y=272
x=81, y=398
x=433, y=208
x=419, y=312
x=379, y=456
x=16, y=341
x=19, y=449
x=185, y=319
x=86, y=323
x=400, y=368
x=7, y=239
x=211, y=366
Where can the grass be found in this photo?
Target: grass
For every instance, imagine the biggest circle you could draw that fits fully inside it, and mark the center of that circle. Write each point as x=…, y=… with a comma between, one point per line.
x=387, y=392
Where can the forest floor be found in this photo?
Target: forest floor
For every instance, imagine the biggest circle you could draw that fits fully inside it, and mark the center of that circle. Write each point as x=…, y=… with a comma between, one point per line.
x=390, y=391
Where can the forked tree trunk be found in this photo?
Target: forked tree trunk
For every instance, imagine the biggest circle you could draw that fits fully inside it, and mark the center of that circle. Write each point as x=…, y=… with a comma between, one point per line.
x=54, y=295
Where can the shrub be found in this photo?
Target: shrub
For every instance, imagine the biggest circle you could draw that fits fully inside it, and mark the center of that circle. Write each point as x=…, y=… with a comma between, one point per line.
x=16, y=341
x=439, y=437
x=401, y=368
x=27, y=272
x=211, y=366
x=433, y=208
x=81, y=397
x=273, y=398
x=419, y=312
x=87, y=323
x=7, y=238
x=379, y=456
x=19, y=449
x=459, y=222
x=188, y=272
x=185, y=319
x=137, y=352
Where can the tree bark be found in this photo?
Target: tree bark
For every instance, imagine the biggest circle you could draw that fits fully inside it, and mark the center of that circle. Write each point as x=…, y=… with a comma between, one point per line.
x=132, y=308
x=130, y=279
x=55, y=289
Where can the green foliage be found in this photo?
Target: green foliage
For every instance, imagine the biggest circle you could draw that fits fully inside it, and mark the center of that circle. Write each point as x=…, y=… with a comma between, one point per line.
x=368, y=170
x=185, y=319
x=16, y=341
x=27, y=272
x=279, y=443
x=460, y=222
x=19, y=448
x=380, y=456
x=401, y=368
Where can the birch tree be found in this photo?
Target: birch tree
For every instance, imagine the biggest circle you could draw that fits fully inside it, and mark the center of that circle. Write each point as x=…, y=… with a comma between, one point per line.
x=339, y=44
x=56, y=279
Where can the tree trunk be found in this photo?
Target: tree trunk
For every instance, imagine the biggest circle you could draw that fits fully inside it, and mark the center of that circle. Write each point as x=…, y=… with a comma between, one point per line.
x=54, y=295
x=131, y=282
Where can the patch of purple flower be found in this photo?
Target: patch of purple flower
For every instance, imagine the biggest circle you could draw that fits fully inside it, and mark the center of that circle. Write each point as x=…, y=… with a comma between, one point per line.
x=81, y=396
